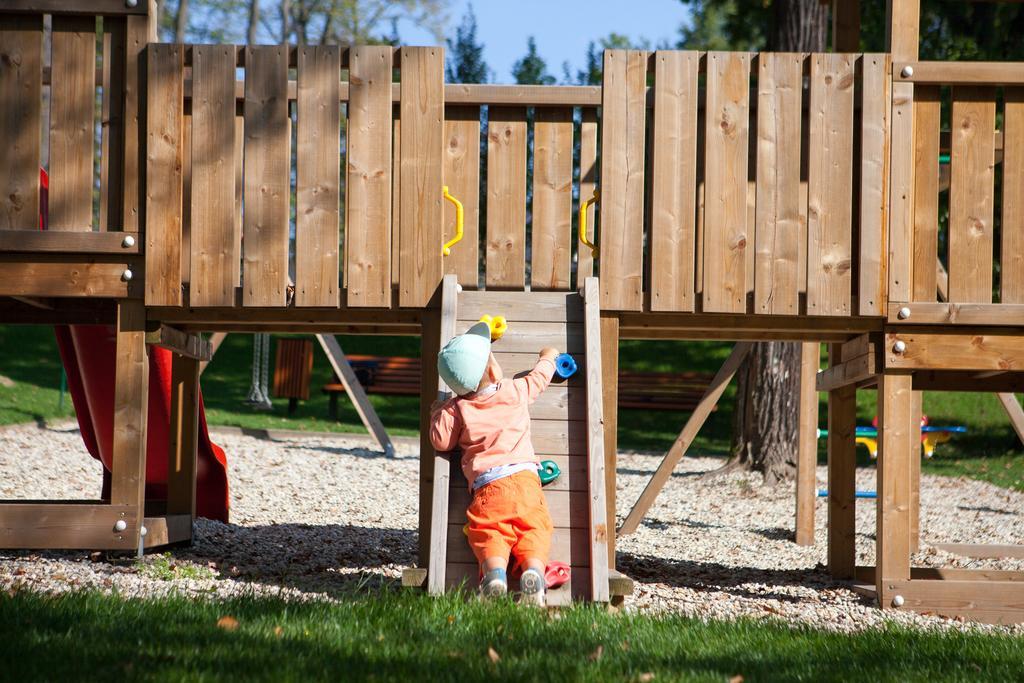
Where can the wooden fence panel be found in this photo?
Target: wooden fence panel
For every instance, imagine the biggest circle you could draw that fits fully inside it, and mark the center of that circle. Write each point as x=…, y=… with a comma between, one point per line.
x=462, y=176
x=726, y=233
x=551, y=243
x=876, y=108
x=588, y=182
x=777, y=218
x=623, y=113
x=673, y=181
x=164, y=159
x=506, y=197
x=267, y=184
x=927, y=120
x=72, y=122
x=21, y=88
x=368, y=190
x=830, y=186
x=421, y=174
x=972, y=161
x=212, y=233
x=1011, y=284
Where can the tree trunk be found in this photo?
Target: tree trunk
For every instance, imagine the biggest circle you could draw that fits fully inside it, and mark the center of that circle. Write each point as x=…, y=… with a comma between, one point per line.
x=765, y=431
x=254, y=19
x=181, y=21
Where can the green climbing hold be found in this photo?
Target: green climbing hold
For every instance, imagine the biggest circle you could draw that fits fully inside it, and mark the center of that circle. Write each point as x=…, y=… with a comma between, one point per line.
x=548, y=472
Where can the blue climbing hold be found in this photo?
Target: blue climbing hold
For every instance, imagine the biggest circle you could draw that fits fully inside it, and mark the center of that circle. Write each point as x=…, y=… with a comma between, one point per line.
x=565, y=366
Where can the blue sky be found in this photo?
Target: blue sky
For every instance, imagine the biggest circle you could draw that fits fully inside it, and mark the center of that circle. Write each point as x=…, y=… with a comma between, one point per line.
x=562, y=28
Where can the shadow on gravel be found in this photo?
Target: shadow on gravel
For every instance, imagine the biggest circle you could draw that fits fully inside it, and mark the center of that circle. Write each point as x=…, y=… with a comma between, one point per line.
x=365, y=453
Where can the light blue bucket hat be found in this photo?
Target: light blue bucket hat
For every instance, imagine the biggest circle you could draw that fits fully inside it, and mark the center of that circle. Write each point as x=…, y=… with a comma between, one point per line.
x=463, y=359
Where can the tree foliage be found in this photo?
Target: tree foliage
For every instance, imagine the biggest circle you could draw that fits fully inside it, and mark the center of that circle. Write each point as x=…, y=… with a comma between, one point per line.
x=466, y=54
x=532, y=69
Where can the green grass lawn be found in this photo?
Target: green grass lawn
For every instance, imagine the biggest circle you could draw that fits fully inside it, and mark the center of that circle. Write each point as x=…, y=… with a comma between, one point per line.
x=28, y=357
x=392, y=636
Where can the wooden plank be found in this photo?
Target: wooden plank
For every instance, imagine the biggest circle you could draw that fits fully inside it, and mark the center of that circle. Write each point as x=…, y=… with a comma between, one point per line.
x=1014, y=412
x=188, y=345
x=846, y=25
x=903, y=28
x=876, y=110
x=355, y=392
x=519, y=307
x=689, y=432
x=72, y=276
x=421, y=213
x=368, y=191
x=396, y=194
x=184, y=436
x=21, y=63
x=610, y=386
x=239, y=194
x=441, y=493
x=551, y=242
x=599, y=528
x=430, y=346
x=131, y=411
x=140, y=29
x=531, y=337
x=1011, y=259
x=892, y=536
x=588, y=183
x=167, y=529
x=33, y=240
x=996, y=602
x=916, y=412
x=725, y=234
x=927, y=121
x=72, y=112
x=623, y=112
x=972, y=164
x=216, y=339
x=673, y=181
x=212, y=235
x=164, y=152
x=61, y=7
x=842, y=471
x=506, y=198
x=901, y=192
x=112, y=123
x=856, y=372
x=267, y=185
x=67, y=526
x=523, y=95
x=186, y=197
x=956, y=314
x=979, y=351
x=777, y=218
x=462, y=176
x=830, y=180
x=982, y=551
x=960, y=73
x=807, y=445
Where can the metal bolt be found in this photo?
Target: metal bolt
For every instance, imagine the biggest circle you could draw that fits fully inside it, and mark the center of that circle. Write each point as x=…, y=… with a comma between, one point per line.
x=143, y=531
x=897, y=601
x=907, y=71
x=127, y=275
x=904, y=313
x=128, y=242
x=458, y=288
x=120, y=525
x=131, y=3
x=899, y=347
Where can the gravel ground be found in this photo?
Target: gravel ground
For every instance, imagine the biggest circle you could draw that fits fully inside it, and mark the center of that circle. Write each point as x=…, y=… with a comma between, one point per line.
x=313, y=516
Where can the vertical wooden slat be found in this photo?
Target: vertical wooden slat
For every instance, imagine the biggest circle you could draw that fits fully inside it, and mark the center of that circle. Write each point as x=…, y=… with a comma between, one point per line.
x=72, y=117
x=901, y=187
x=212, y=234
x=829, y=186
x=601, y=529
x=1012, y=259
x=186, y=195
x=551, y=243
x=422, y=174
x=21, y=84
x=462, y=176
x=876, y=107
x=239, y=165
x=972, y=163
x=317, y=178
x=164, y=106
x=892, y=554
x=506, y=197
x=112, y=122
x=131, y=401
x=927, y=119
x=368, y=190
x=807, y=443
x=133, y=177
x=267, y=184
x=610, y=414
x=588, y=181
x=777, y=218
x=673, y=181
x=726, y=234
x=623, y=112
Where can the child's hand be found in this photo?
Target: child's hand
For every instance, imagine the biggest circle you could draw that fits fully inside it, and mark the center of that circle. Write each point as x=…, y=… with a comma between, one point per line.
x=550, y=353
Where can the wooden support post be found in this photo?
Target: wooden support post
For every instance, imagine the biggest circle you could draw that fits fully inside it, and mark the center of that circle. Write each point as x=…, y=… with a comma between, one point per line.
x=600, y=532
x=610, y=385
x=355, y=392
x=189, y=344
x=914, y=427
x=429, y=348
x=1013, y=410
x=807, y=448
x=842, y=473
x=131, y=409
x=184, y=436
x=895, y=404
x=216, y=339
x=707, y=403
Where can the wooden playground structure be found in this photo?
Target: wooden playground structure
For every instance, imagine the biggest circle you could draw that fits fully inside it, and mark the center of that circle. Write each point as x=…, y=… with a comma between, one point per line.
x=742, y=197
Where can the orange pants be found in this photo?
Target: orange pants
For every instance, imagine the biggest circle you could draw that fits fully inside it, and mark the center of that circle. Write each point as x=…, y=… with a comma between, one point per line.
x=510, y=516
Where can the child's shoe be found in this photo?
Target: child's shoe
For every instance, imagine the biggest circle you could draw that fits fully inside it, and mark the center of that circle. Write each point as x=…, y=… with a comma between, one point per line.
x=532, y=585
x=494, y=584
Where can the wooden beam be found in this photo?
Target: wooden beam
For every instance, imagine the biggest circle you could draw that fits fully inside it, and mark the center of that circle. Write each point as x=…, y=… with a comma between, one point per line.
x=216, y=339
x=66, y=525
x=189, y=345
x=1013, y=411
x=937, y=351
x=807, y=446
x=1007, y=383
x=892, y=536
x=997, y=602
x=610, y=335
x=941, y=313
x=983, y=551
x=867, y=574
x=52, y=275
x=599, y=529
x=167, y=529
x=89, y=7
x=82, y=241
x=959, y=73
x=355, y=392
x=848, y=373
x=707, y=403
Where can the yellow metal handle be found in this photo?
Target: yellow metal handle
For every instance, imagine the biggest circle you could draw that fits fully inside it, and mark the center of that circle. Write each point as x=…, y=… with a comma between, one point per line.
x=446, y=250
x=583, y=221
